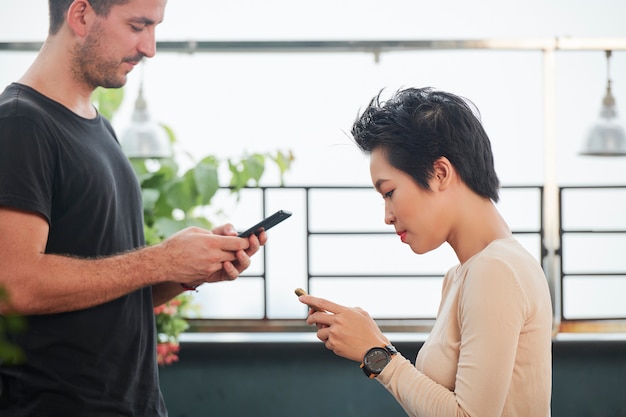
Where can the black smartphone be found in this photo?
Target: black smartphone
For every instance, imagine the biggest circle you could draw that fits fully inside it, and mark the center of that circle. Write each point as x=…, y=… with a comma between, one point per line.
x=266, y=223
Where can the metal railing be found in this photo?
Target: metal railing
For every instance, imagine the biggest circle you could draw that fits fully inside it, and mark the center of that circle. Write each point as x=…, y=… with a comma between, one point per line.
x=602, y=233
x=344, y=223
x=592, y=235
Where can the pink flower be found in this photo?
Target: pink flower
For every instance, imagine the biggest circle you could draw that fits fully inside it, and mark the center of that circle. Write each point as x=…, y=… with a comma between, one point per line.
x=170, y=322
x=169, y=308
x=167, y=353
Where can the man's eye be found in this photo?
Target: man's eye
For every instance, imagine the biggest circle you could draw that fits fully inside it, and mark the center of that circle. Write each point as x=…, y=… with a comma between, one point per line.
x=136, y=28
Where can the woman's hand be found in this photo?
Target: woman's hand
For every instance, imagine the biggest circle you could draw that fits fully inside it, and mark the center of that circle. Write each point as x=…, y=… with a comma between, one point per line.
x=348, y=331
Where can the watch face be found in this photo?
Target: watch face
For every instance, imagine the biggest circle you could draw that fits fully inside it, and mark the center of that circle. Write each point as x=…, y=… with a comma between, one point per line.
x=376, y=360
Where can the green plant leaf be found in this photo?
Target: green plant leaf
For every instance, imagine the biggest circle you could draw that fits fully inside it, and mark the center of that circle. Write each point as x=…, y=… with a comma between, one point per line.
x=107, y=100
x=167, y=226
x=162, y=207
x=11, y=354
x=206, y=179
x=254, y=165
x=239, y=177
x=149, y=197
x=181, y=193
x=10, y=324
x=170, y=132
x=139, y=166
x=168, y=170
x=283, y=162
x=152, y=235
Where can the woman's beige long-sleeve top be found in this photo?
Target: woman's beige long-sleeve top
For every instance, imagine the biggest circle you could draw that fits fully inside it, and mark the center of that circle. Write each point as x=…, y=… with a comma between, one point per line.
x=489, y=352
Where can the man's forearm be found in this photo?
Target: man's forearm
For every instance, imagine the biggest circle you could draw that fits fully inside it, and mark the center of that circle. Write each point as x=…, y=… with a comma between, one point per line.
x=54, y=283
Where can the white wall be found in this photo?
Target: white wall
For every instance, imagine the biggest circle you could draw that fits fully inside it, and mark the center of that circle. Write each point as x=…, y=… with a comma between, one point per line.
x=226, y=104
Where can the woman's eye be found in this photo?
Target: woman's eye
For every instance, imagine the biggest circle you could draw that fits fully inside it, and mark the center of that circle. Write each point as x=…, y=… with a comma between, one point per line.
x=388, y=194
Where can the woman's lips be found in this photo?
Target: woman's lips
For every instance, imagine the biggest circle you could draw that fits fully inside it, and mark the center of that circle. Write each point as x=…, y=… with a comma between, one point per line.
x=402, y=236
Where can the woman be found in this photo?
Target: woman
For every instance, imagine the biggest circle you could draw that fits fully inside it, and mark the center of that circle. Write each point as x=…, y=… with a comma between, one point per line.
x=489, y=352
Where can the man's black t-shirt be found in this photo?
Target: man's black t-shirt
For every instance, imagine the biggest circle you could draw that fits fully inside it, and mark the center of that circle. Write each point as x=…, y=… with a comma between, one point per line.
x=94, y=362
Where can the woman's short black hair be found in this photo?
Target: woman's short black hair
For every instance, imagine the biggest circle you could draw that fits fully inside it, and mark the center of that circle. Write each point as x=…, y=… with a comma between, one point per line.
x=417, y=126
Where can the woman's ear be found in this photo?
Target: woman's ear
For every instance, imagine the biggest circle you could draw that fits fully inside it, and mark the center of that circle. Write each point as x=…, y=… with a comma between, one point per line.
x=77, y=17
x=442, y=173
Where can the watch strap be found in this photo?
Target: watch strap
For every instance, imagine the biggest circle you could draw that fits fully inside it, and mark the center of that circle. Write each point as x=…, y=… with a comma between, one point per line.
x=391, y=349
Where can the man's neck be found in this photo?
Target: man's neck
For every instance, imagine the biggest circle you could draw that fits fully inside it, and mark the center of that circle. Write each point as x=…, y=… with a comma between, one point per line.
x=51, y=75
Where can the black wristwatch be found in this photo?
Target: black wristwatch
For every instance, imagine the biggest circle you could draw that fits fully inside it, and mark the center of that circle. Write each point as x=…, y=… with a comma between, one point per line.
x=376, y=359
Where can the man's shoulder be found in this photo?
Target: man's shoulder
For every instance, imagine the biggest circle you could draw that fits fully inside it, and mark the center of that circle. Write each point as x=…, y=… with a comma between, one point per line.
x=21, y=100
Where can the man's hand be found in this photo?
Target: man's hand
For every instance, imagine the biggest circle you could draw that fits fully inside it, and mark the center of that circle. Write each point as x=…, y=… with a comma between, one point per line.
x=219, y=254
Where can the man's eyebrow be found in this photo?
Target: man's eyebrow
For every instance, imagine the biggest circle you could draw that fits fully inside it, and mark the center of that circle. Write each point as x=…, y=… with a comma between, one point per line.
x=143, y=21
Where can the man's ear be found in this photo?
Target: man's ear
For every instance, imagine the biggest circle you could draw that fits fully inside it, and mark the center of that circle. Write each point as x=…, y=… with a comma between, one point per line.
x=78, y=16
x=442, y=173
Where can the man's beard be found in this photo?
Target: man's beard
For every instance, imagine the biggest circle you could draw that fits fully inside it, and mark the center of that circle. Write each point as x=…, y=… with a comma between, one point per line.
x=92, y=69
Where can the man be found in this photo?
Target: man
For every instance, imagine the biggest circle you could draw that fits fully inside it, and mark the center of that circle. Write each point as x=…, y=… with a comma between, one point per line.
x=72, y=255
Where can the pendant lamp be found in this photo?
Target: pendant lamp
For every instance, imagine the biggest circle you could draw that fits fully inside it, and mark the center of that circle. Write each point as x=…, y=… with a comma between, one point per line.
x=606, y=137
x=145, y=139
